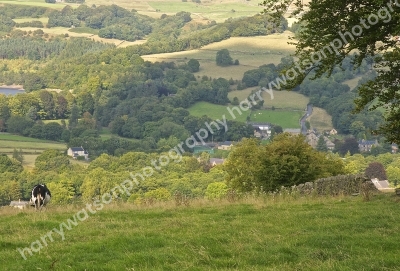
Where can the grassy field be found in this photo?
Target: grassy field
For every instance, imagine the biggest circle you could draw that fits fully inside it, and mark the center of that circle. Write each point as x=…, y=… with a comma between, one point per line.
x=207, y=10
x=215, y=111
x=251, y=52
x=78, y=33
x=281, y=99
x=343, y=233
x=37, y=3
x=31, y=147
x=352, y=83
x=283, y=118
x=44, y=20
x=320, y=119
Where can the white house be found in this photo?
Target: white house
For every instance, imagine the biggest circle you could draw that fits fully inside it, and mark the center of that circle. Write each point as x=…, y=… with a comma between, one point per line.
x=75, y=152
x=19, y=204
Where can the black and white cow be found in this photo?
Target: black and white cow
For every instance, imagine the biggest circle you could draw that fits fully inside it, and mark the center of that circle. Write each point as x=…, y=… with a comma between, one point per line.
x=40, y=196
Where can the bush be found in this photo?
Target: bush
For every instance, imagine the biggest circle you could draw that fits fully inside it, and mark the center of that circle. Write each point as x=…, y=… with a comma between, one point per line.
x=216, y=190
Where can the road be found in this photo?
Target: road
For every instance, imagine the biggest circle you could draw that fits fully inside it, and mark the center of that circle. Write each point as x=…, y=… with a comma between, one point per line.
x=303, y=119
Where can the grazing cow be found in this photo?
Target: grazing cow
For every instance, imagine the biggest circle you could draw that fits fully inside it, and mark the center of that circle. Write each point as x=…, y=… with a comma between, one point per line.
x=40, y=196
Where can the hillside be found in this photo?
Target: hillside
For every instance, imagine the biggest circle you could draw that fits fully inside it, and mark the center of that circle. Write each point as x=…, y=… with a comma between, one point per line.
x=341, y=233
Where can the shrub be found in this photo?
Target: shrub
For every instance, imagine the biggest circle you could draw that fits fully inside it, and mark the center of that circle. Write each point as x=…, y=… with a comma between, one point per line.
x=216, y=190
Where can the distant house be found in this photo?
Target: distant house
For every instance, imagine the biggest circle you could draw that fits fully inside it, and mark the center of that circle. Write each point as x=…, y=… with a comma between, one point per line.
x=312, y=138
x=366, y=145
x=261, y=126
x=19, y=204
x=395, y=148
x=202, y=148
x=333, y=132
x=227, y=145
x=75, y=152
x=216, y=161
x=381, y=185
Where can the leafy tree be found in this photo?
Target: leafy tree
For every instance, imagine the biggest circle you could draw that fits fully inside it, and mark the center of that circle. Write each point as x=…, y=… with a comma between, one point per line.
x=223, y=58
x=376, y=170
x=193, y=65
x=244, y=165
x=321, y=144
x=235, y=101
x=216, y=190
x=288, y=160
x=160, y=194
x=73, y=118
x=52, y=131
x=18, y=155
x=18, y=125
x=9, y=164
x=51, y=160
x=343, y=29
x=350, y=144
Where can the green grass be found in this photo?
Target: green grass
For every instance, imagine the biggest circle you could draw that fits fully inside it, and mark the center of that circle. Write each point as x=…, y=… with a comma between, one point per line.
x=9, y=142
x=305, y=234
x=281, y=99
x=283, y=118
x=105, y=133
x=215, y=111
x=37, y=3
x=11, y=137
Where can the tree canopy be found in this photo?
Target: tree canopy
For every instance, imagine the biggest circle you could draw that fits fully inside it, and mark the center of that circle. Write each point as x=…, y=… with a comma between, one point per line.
x=331, y=32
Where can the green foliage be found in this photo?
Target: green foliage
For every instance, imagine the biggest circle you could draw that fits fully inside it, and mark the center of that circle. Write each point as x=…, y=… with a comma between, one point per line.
x=216, y=190
x=376, y=170
x=159, y=194
x=9, y=164
x=18, y=155
x=52, y=160
x=320, y=33
x=321, y=144
x=288, y=160
x=223, y=58
x=193, y=65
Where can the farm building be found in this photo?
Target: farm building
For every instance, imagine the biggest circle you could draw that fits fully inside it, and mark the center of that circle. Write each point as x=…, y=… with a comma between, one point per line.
x=75, y=152
x=19, y=204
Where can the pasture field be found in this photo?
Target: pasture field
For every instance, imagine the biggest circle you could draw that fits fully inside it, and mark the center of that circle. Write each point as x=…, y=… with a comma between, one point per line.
x=320, y=119
x=81, y=33
x=215, y=111
x=44, y=20
x=281, y=99
x=265, y=233
x=206, y=10
x=218, y=12
x=251, y=52
x=283, y=118
x=31, y=145
x=37, y=3
x=352, y=83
